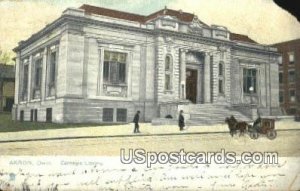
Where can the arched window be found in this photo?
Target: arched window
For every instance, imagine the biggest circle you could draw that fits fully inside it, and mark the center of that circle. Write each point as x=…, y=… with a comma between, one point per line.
x=168, y=72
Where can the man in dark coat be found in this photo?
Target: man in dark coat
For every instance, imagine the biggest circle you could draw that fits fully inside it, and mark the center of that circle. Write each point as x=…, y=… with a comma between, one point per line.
x=181, y=120
x=136, y=122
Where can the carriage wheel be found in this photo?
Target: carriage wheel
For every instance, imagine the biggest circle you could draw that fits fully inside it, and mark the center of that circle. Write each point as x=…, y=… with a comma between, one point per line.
x=271, y=134
x=254, y=135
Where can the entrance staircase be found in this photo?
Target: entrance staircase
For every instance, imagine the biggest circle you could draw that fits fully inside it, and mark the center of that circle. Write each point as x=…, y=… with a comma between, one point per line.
x=208, y=114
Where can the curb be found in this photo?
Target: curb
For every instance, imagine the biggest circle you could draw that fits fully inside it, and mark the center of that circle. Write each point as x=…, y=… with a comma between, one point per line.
x=127, y=136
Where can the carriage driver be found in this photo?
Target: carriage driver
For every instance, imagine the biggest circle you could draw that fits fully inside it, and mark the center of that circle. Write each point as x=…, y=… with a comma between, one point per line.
x=257, y=122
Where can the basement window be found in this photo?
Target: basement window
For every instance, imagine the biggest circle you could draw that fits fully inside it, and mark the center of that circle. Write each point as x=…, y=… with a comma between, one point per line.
x=121, y=115
x=31, y=115
x=49, y=115
x=22, y=115
x=108, y=115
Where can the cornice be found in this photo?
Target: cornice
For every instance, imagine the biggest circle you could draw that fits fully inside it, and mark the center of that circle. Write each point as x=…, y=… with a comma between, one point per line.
x=84, y=20
x=266, y=49
x=45, y=31
x=197, y=38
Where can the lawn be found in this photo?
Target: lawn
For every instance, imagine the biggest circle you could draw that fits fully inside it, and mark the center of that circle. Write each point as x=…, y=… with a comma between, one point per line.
x=8, y=125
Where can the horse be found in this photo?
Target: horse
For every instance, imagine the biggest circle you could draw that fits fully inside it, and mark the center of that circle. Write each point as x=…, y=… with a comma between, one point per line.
x=235, y=125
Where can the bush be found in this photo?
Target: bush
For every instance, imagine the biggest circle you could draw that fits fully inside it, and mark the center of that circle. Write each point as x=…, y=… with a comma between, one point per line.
x=169, y=117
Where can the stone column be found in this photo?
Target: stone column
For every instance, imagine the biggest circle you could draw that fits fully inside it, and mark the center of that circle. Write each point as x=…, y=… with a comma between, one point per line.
x=207, y=79
x=18, y=74
x=182, y=74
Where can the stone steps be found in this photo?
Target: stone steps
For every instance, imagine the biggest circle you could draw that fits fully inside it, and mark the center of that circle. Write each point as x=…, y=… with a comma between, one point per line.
x=204, y=114
x=211, y=114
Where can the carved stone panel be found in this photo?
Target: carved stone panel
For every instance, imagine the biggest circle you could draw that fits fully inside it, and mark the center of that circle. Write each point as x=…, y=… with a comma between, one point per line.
x=115, y=90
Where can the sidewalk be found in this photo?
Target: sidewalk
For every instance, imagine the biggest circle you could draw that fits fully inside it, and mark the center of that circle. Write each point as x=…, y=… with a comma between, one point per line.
x=124, y=130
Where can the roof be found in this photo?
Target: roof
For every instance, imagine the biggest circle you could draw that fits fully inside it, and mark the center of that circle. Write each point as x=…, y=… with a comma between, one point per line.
x=89, y=9
x=182, y=16
x=288, y=46
x=287, y=42
x=240, y=37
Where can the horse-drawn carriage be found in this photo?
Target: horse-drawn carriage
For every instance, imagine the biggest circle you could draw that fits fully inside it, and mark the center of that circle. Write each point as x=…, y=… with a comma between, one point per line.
x=261, y=126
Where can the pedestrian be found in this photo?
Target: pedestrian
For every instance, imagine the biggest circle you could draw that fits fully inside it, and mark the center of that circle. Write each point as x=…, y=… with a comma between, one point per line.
x=181, y=120
x=136, y=122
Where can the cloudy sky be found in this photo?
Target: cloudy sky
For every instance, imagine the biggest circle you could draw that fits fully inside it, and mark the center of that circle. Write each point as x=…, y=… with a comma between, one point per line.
x=261, y=20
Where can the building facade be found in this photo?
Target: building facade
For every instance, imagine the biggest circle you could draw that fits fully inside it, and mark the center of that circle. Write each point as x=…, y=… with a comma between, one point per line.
x=289, y=76
x=7, y=87
x=100, y=65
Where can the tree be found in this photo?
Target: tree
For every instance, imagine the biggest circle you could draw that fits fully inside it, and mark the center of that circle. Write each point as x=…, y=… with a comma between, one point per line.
x=6, y=57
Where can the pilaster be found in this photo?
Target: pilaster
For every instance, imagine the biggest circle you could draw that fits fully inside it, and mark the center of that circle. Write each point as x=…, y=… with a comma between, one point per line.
x=182, y=74
x=207, y=78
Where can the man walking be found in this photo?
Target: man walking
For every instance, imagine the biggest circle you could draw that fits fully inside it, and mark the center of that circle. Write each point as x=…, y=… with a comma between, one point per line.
x=136, y=122
x=181, y=120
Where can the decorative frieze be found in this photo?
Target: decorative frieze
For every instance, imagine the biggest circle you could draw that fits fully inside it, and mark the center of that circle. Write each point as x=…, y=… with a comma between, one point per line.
x=168, y=23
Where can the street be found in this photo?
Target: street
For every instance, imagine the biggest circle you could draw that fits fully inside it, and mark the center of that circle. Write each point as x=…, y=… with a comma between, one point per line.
x=286, y=144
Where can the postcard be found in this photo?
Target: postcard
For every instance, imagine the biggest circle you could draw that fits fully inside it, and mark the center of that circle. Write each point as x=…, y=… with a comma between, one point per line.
x=149, y=95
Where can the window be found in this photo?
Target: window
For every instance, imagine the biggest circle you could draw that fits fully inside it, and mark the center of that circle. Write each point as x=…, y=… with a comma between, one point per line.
x=108, y=115
x=114, y=67
x=292, y=76
x=121, y=115
x=280, y=60
x=21, y=115
x=291, y=111
x=49, y=115
x=281, y=96
x=221, y=77
x=221, y=69
x=52, y=68
x=292, y=95
x=31, y=115
x=280, y=77
x=25, y=82
x=249, y=80
x=9, y=102
x=51, y=71
x=35, y=115
x=167, y=82
x=37, y=78
x=168, y=73
x=291, y=57
x=221, y=89
x=38, y=73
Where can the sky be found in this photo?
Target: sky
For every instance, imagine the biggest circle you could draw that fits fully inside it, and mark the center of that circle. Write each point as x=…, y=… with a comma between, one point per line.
x=261, y=20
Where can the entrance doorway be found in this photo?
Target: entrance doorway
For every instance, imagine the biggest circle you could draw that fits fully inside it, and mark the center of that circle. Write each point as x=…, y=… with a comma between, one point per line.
x=191, y=85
